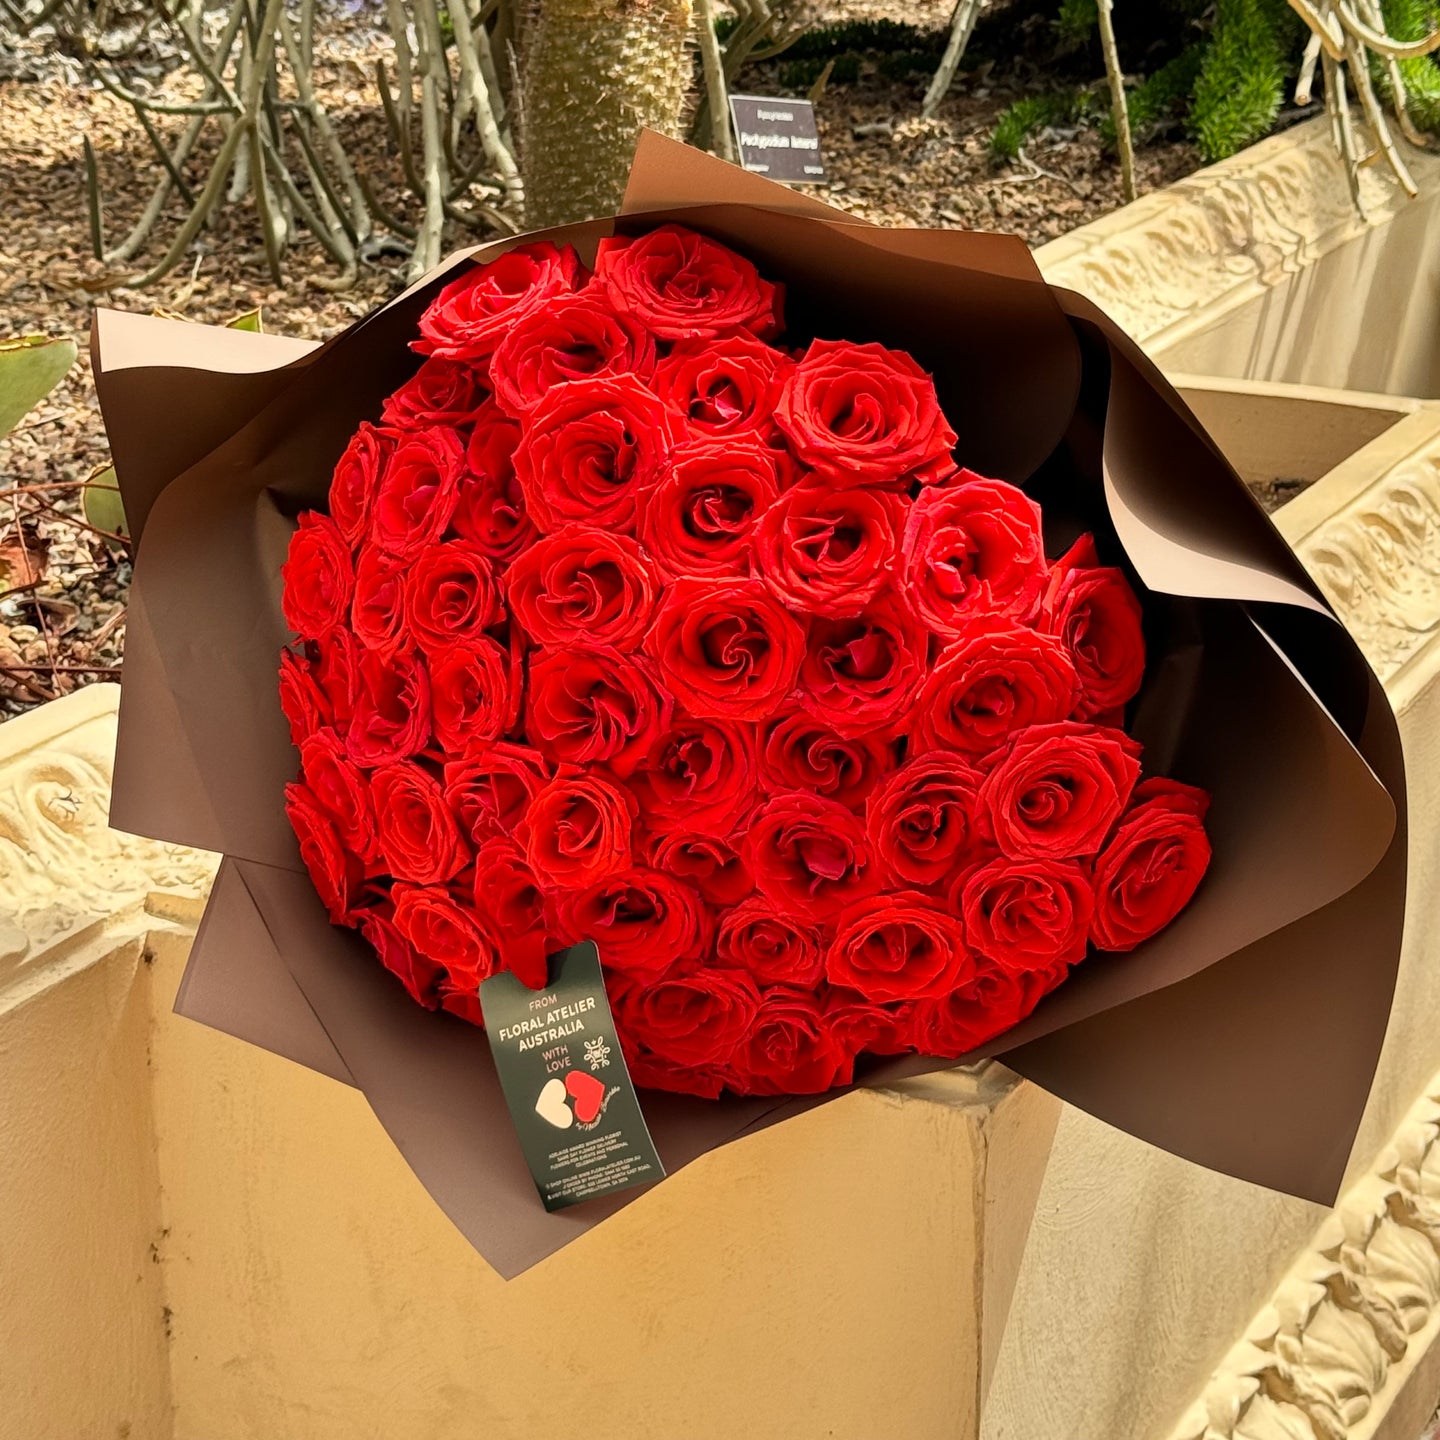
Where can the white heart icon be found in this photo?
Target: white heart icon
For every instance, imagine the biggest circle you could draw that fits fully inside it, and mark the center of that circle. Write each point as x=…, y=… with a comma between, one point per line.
x=551, y=1105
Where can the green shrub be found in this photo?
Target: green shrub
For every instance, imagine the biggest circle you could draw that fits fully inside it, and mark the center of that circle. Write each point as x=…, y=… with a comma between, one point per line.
x=1033, y=113
x=1242, y=77
x=1158, y=101
x=1413, y=20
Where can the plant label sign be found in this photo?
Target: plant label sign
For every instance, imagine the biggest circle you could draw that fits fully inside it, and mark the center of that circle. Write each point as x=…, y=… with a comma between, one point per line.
x=778, y=138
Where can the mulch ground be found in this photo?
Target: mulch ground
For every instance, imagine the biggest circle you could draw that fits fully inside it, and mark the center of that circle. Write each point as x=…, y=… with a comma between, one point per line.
x=62, y=588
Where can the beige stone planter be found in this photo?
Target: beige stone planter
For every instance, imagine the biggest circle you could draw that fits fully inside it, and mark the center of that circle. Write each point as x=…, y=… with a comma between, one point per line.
x=204, y=1242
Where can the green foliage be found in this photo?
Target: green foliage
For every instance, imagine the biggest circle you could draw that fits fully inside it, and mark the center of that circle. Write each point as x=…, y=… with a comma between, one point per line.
x=1033, y=113
x=1242, y=77
x=1413, y=20
x=100, y=500
x=1156, y=103
x=30, y=368
x=1075, y=24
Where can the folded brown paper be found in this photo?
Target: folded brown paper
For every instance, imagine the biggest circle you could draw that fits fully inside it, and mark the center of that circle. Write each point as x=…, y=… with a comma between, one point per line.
x=1276, y=982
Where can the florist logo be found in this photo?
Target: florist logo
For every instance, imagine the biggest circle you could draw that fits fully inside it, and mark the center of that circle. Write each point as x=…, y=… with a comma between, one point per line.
x=578, y=1098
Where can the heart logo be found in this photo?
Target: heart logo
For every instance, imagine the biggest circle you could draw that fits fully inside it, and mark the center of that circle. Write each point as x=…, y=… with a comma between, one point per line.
x=551, y=1105
x=587, y=1092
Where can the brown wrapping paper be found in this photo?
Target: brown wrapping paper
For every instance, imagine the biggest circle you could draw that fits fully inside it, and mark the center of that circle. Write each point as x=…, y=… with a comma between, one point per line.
x=1276, y=981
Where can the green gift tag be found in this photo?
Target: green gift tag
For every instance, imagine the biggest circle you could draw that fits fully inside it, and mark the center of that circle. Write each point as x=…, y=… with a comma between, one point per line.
x=566, y=1083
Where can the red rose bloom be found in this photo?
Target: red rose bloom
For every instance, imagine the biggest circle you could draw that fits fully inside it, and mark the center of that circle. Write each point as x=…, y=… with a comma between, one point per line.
x=1093, y=611
x=996, y=1001
x=357, y=478
x=418, y=491
x=860, y=1024
x=1151, y=865
x=809, y=856
x=589, y=449
x=713, y=866
x=802, y=753
x=451, y=596
x=724, y=388
x=642, y=921
x=491, y=787
x=772, y=945
x=576, y=830
x=572, y=339
x=392, y=710
x=594, y=706
x=699, y=518
x=699, y=775
x=441, y=392
x=420, y=976
x=649, y=1072
x=447, y=931
x=725, y=648
x=973, y=546
x=898, y=946
x=828, y=550
x=377, y=613
x=684, y=286
x=861, y=675
x=473, y=694
x=789, y=1049
x=993, y=680
x=1056, y=790
x=582, y=586
x=509, y=895
x=334, y=870
x=922, y=818
x=302, y=701
x=491, y=510
x=317, y=576
x=337, y=785
x=693, y=1019
x=419, y=839
x=468, y=318
x=866, y=415
x=1026, y=914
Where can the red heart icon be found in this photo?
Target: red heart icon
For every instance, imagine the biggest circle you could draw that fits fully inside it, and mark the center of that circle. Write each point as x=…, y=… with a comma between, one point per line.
x=587, y=1092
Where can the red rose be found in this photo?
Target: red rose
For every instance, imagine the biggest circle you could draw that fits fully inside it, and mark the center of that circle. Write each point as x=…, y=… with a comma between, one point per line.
x=774, y=947
x=649, y=1072
x=337, y=669
x=392, y=710
x=593, y=706
x=802, y=753
x=582, y=586
x=1055, y=790
x=474, y=694
x=711, y=865
x=317, y=577
x=377, y=614
x=419, y=838
x=809, y=856
x=468, y=318
x=996, y=1001
x=828, y=550
x=490, y=788
x=725, y=647
x=451, y=596
x=991, y=681
x=418, y=491
x=724, y=388
x=1151, y=865
x=446, y=931
x=866, y=415
x=441, y=392
x=861, y=675
x=508, y=894
x=861, y=1025
x=1093, y=611
x=491, y=510
x=357, y=478
x=570, y=339
x=973, y=546
x=333, y=869
x=692, y=1019
x=576, y=830
x=698, y=520
x=684, y=286
x=420, y=976
x=922, y=818
x=642, y=921
x=337, y=785
x=1026, y=914
x=698, y=775
x=789, y=1049
x=898, y=946
x=302, y=701
x=589, y=449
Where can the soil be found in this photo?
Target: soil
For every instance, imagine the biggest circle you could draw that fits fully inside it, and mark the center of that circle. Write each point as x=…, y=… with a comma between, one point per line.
x=62, y=588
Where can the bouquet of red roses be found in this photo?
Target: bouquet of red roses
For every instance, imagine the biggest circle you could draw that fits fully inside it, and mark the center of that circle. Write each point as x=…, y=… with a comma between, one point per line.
x=839, y=626
x=628, y=623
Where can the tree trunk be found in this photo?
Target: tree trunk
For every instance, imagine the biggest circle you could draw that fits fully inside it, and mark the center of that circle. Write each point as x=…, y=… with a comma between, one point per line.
x=594, y=73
